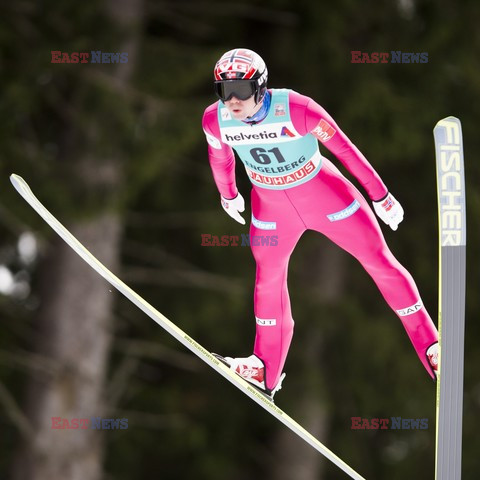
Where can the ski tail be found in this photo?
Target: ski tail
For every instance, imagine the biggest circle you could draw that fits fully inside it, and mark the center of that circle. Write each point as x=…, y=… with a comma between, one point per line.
x=451, y=308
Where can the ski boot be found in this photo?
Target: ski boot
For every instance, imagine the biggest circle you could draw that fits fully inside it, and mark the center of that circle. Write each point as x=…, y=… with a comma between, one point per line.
x=432, y=355
x=252, y=370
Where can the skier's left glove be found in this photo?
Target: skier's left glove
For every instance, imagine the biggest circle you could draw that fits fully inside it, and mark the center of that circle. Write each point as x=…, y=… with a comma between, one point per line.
x=389, y=210
x=234, y=206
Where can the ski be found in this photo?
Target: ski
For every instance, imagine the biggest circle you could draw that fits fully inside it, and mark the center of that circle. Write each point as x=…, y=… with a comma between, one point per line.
x=24, y=190
x=451, y=317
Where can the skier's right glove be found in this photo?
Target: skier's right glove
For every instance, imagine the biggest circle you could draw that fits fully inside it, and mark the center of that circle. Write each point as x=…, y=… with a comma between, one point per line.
x=234, y=206
x=389, y=210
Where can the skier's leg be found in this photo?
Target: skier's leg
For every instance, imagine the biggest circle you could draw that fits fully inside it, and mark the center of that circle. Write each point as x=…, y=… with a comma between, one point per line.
x=277, y=225
x=352, y=225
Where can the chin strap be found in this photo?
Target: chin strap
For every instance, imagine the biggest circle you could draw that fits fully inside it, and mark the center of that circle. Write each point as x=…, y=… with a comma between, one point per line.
x=263, y=112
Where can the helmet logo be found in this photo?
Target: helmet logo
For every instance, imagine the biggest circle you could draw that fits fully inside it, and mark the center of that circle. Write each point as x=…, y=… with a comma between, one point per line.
x=263, y=78
x=232, y=68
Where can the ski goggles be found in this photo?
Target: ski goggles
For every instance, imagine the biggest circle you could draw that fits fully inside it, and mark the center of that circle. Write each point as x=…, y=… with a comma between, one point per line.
x=241, y=89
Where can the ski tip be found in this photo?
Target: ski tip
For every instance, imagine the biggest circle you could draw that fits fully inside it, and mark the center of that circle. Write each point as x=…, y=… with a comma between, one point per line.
x=15, y=179
x=444, y=121
x=20, y=185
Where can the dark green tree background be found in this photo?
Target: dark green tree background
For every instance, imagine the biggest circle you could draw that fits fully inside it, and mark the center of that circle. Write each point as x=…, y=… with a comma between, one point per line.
x=92, y=139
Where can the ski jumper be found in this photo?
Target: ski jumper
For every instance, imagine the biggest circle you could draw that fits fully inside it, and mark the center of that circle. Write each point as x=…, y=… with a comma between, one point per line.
x=295, y=188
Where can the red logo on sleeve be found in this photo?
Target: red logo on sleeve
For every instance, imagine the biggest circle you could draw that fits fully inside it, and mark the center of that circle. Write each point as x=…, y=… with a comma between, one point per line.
x=323, y=131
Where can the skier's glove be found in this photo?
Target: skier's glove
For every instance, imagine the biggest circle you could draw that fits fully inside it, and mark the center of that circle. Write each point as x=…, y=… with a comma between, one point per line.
x=389, y=210
x=234, y=206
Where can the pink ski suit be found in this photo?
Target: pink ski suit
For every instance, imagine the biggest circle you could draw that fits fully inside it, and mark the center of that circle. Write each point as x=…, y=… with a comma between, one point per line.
x=295, y=188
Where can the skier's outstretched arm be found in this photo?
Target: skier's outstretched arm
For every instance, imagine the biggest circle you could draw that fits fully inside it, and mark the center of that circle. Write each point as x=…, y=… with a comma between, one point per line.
x=314, y=119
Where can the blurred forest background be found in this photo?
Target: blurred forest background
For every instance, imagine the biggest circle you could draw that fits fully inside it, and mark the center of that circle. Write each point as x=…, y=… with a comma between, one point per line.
x=117, y=153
